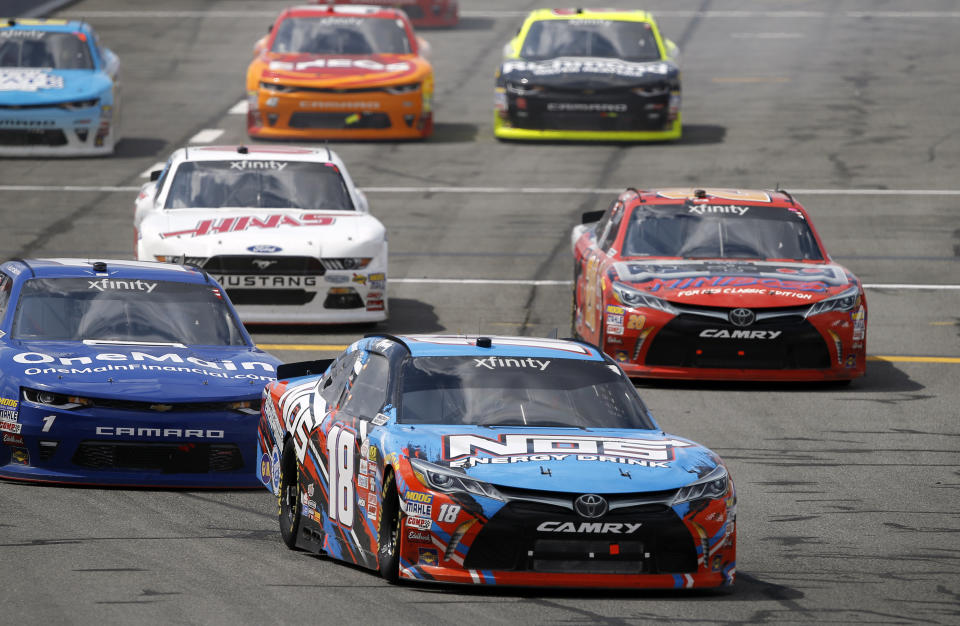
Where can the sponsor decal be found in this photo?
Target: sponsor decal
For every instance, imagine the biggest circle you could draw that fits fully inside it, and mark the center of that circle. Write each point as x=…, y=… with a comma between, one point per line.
x=28, y=80
x=704, y=209
x=258, y=165
x=851, y=360
x=621, y=356
x=361, y=502
x=492, y=363
x=273, y=420
x=615, y=329
x=465, y=449
x=10, y=427
x=39, y=358
x=379, y=420
x=587, y=107
x=614, y=67
x=737, y=284
x=726, y=194
x=354, y=105
x=593, y=528
x=377, y=276
x=232, y=281
x=12, y=439
x=275, y=469
x=719, y=274
x=362, y=481
x=429, y=556
x=20, y=456
x=360, y=279
x=264, y=248
x=107, y=284
x=363, y=64
x=6, y=415
x=336, y=278
x=614, y=320
x=616, y=310
x=859, y=318
x=372, y=510
x=249, y=222
x=418, y=536
x=373, y=454
x=421, y=523
x=158, y=433
x=418, y=509
x=636, y=322
x=10, y=33
x=739, y=334
x=418, y=496
x=9, y=402
x=363, y=466
x=265, y=472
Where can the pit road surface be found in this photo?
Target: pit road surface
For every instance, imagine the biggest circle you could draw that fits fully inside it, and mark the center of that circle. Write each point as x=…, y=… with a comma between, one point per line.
x=848, y=497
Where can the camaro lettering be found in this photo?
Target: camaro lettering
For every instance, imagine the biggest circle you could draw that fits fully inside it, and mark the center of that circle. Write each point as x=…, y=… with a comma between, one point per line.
x=363, y=64
x=157, y=433
x=597, y=528
x=128, y=285
x=492, y=363
x=247, y=222
x=713, y=333
x=456, y=446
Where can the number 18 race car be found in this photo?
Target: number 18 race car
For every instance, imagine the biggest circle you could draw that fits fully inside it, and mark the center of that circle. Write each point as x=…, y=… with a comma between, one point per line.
x=716, y=284
x=494, y=461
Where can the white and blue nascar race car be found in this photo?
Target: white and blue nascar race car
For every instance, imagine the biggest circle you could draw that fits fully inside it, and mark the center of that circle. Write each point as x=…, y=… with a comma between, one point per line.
x=59, y=90
x=282, y=228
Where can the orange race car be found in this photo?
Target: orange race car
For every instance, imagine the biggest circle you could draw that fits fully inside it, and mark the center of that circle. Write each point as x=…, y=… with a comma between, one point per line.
x=340, y=72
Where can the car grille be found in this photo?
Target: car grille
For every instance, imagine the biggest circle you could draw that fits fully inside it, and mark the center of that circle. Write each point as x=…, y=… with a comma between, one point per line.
x=133, y=406
x=342, y=121
x=32, y=137
x=169, y=458
x=283, y=297
x=264, y=265
x=511, y=541
x=637, y=115
x=799, y=346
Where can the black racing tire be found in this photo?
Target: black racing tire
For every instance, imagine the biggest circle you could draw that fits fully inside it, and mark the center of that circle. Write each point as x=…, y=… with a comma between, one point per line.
x=288, y=500
x=391, y=520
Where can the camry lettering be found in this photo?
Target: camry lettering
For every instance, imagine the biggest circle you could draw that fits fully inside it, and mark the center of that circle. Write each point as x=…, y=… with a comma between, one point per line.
x=597, y=528
x=158, y=433
x=128, y=285
x=713, y=333
x=508, y=445
x=240, y=224
x=492, y=363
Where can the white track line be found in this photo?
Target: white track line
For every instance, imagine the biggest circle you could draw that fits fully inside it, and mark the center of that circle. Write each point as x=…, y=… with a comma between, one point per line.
x=239, y=108
x=567, y=283
x=259, y=15
x=207, y=135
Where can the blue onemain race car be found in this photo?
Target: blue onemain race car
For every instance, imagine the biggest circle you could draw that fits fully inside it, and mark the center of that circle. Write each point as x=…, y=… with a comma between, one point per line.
x=491, y=460
x=125, y=373
x=59, y=89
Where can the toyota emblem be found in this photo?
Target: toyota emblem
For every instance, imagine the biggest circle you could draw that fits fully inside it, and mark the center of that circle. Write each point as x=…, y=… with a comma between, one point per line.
x=590, y=505
x=741, y=317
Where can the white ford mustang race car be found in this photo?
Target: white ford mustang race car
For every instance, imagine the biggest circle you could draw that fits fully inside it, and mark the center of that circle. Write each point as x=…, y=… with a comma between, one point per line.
x=282, y=228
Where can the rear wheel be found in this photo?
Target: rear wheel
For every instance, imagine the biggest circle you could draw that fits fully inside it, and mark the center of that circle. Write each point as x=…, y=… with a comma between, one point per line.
x=391, y=519
x=288, y=500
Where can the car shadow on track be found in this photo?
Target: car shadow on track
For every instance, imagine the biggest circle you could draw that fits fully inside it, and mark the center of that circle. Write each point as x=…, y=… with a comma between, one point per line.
x=448, y=132
x=406, y=316
x=133, y=147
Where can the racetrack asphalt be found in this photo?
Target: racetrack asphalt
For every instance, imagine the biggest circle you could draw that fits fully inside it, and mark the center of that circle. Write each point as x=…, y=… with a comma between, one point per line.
x=848, y=497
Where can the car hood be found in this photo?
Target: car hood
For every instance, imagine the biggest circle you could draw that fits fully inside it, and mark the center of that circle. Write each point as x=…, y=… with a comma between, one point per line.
x=579, y=460
x=155, y=373
x=204, y=233
x=343, y=71
x=735, y=283
x=587, y=73
x=22, y=86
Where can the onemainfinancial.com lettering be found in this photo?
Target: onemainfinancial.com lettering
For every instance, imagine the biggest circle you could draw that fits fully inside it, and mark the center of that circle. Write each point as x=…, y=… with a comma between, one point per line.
x=191, y=365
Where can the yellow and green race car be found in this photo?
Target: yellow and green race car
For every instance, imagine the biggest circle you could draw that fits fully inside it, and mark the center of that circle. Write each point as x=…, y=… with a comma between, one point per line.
x=588, y=74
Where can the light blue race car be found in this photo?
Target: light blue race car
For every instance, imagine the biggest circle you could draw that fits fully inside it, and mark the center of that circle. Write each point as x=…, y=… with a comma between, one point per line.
x=59, y=90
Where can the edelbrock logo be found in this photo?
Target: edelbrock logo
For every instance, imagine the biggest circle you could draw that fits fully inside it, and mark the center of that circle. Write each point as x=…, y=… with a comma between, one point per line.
x=592, y=528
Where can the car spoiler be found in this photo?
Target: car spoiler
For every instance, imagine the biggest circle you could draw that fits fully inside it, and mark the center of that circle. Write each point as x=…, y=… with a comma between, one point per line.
x=302, y=368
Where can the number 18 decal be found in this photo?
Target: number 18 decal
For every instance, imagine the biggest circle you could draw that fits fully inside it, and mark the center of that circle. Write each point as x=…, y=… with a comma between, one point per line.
x=340, y=445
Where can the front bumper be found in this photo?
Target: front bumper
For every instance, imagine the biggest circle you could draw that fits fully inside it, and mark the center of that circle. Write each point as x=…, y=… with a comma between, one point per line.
x=52, y=131
x=115, y=446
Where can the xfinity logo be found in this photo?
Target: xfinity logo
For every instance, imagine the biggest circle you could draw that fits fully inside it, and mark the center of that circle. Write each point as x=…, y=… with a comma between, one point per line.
x=257, y=165
x=740, y=334
x=492, y=363
x=593, y=528
x=129, y=285
x=158, y=433
x=718, y=208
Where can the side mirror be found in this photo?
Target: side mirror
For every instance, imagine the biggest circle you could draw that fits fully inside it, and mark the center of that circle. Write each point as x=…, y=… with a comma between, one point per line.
x=155, y=175
x=591, y=217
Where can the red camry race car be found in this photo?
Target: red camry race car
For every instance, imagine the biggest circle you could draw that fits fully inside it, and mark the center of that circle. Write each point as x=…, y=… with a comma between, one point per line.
x=716, y=284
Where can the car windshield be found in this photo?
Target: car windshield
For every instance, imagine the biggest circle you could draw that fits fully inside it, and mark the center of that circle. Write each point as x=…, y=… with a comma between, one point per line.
x=720, y=232
x=341, y=35
x=630, y=41
x=518, y=391
x=135, y=310
x=268, y=184
x=44, y=49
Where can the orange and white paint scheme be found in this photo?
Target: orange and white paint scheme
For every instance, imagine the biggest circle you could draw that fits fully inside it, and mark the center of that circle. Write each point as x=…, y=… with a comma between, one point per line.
x=340, y=72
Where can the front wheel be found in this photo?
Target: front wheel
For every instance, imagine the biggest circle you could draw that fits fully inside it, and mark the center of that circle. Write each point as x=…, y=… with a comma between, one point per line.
x=391, y=519
x=288, y=500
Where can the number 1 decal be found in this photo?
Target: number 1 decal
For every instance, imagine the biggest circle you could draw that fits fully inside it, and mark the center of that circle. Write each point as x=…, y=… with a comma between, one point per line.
x=48, y=423
x=340, y=445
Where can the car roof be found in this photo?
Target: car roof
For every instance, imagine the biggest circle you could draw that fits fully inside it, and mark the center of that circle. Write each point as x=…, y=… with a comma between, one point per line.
x=619, y=15
x=500, y=346
x=62, y=26
x=115, y=269
x=257, y=153
x=710, y=195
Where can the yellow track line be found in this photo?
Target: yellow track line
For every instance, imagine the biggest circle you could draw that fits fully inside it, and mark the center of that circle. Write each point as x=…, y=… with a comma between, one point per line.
x=340, y=348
